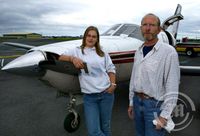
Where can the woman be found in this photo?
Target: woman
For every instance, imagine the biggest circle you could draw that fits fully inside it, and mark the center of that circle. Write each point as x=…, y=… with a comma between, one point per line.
x=97, y=85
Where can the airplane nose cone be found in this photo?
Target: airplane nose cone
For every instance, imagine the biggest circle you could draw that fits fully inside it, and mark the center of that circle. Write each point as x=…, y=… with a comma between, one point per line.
x=26, y=64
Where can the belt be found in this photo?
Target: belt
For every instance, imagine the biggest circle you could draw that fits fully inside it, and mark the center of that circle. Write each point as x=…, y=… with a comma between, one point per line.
x=143, y=95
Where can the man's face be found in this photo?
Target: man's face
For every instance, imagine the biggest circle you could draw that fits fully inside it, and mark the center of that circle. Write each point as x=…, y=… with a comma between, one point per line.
x=150, y=28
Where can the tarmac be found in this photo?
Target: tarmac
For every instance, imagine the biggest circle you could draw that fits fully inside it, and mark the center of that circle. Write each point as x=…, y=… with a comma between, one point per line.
x=28, y=107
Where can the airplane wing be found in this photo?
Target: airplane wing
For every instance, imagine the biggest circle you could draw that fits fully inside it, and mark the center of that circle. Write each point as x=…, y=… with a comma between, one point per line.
x=190, y=70
x=19, y=45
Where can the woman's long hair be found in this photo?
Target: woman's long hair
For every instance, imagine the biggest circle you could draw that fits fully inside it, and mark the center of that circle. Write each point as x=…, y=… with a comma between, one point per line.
x=97, y=45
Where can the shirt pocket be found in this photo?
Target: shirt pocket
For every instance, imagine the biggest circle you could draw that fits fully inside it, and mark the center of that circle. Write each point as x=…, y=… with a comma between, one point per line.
x=151, y=65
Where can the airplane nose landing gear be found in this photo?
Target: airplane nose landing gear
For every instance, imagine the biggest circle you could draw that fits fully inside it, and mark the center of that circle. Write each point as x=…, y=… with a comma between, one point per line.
x=72, y=120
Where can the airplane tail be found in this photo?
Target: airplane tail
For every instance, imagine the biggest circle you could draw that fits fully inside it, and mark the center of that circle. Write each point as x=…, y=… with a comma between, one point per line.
x=173, y=21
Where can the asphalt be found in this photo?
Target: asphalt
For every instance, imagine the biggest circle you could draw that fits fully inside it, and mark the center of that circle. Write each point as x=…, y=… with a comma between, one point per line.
x=28, y=107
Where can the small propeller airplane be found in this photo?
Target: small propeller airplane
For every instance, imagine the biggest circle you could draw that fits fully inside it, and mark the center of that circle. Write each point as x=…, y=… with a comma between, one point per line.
x=120, y=41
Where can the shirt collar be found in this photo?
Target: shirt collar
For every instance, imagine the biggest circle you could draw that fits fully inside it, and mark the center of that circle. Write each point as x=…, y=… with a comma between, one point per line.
x=156, y=46
x=90, y=49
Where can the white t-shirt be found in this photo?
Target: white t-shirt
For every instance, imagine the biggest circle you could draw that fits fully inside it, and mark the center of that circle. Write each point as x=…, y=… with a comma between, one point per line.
x=97, y=79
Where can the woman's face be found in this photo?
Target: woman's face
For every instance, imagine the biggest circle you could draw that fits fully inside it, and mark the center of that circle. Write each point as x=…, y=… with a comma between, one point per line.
x=91, y=38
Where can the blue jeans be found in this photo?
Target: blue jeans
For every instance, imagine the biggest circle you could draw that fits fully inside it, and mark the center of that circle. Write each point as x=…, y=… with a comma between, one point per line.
x=98, y=111
x=145, y=111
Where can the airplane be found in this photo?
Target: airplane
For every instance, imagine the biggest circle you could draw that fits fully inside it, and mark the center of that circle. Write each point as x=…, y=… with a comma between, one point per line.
x=120, y=41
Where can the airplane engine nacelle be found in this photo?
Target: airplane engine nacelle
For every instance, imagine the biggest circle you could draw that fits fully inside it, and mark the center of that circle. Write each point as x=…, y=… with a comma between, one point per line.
x=27, y=64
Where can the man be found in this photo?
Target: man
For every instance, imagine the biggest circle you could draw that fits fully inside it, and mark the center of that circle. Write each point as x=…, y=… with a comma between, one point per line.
x=154, y=81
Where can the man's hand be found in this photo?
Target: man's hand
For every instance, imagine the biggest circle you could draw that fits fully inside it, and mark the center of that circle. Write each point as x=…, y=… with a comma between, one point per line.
x=161, y=122
x=130, y=112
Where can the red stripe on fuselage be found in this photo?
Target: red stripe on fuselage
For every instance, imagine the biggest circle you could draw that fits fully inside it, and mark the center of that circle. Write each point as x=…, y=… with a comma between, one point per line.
x=122, y=52
x=131, y=60
x=122, y=57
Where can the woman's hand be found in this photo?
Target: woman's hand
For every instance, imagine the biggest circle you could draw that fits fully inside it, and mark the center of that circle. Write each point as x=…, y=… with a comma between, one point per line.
x=112, y=88
x=78, y=63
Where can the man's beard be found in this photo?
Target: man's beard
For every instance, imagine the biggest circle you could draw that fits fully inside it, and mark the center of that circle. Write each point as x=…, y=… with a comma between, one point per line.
x=149, y=37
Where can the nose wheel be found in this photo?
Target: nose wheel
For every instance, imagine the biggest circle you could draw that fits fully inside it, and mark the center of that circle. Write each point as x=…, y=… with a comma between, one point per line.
x=72, y=120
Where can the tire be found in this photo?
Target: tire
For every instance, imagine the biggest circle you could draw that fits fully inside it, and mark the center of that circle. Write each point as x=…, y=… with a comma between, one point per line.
x=69, y=124
x=190, y=52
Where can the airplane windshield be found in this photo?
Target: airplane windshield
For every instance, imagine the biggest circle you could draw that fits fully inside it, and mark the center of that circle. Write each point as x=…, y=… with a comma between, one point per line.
x=129, y=30
x=110, y=31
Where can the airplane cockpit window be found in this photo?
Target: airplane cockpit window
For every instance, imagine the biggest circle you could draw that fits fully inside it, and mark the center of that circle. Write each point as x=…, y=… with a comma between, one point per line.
x=129, y=30
x=125, y=29
x=110, y=31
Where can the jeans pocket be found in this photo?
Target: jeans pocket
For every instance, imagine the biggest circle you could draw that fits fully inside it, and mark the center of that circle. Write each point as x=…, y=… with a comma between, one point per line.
x=151, y=103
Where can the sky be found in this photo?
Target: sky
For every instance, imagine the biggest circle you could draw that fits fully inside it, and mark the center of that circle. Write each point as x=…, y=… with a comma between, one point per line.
x=72, y=17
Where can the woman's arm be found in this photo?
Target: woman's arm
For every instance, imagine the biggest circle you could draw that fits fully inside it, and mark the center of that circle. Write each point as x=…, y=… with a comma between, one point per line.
x=112, y=77
x=66, y=58
x=78, y=63
x=113, y=85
